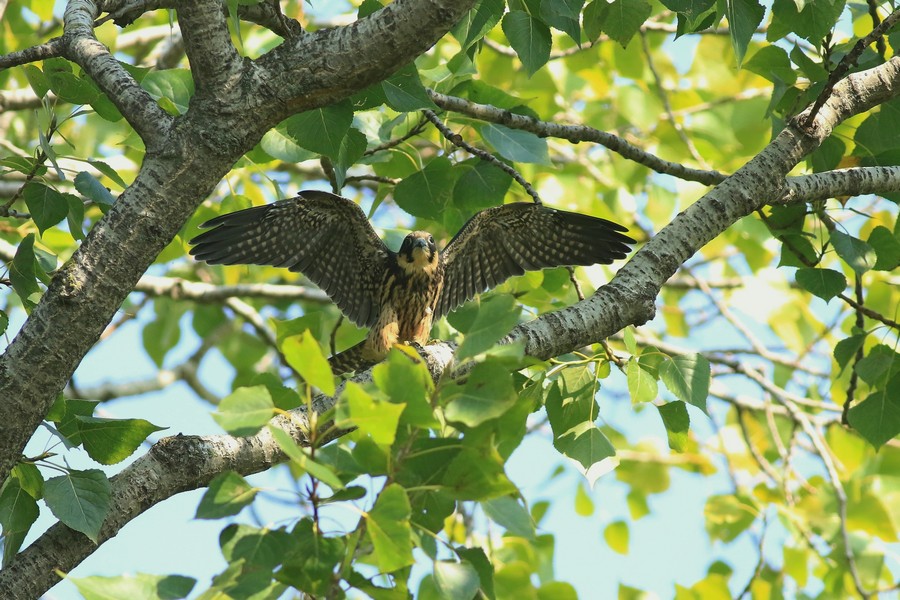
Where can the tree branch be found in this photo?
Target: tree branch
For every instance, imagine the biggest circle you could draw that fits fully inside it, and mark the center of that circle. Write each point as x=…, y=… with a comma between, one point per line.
x=215, y=63
x=574, y=134
x=358, y=54
x=80, y=46
x=173, y=465
x=856, y=181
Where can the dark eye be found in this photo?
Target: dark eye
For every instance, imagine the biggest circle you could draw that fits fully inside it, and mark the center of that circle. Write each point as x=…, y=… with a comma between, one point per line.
x=431, y=240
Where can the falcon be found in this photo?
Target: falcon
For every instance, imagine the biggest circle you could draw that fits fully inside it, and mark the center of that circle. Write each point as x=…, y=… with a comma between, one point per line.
x=398, y=295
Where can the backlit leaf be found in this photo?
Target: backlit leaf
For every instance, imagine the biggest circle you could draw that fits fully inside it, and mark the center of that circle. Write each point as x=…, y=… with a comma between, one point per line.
x=245, y=410
x=226, y=495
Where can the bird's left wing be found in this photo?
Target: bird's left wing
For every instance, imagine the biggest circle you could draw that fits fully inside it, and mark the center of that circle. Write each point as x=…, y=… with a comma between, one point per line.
x=326, y=237
x=508, y=240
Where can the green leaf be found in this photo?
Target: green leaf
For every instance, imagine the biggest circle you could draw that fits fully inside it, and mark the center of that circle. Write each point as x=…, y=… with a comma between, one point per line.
x=388, y=529
x=37, y=80
x=279, y=144
x=529, y=38
x=824, y=283
x=4, y=322
x=265, y=548
x=586, y=444
x=855, y=252
x=310, y=564
x=68, y=423
x=22, y=273
x=879, y=365
x=887, y=249
x=426, y=193
x=18, y=511
x=404, y=91
x=46, y=205
x=353, y=148
x=728, y=516
x=678, y=423
x=163, y=333
x=516, y=145
x=109, y=172
x=227, y=495
x=80, y=499
x=584, y=504
x=90, y=186
x=557, y=590
x=299, y=456
x=304, y=355
x=486, y=394
x=75, y=215
x=616, y=536
x=773, y=63
x=322, y=129
x=812, y=20
x=481, y=186
x=506, y=512
x=376, y=418
x=687, y=376
x=494, y=318
x=563, y=15
x=846, y=349
x=641, y=383
x=478, y=21
x=109, y=441
x=479, y=560
x=477, y=474
x=407, y=382
x=65, y=84
x=245, y=411
x=456, y=580
x=138, y=586
x=744, y=16
x=876, y=137
x=619, y=19
x=171, y=88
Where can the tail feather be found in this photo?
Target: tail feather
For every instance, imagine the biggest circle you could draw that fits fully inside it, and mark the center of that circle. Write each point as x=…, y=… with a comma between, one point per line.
x=351, y=359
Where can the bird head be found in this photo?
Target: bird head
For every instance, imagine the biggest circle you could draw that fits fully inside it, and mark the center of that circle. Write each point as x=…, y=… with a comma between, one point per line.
x=418, y=252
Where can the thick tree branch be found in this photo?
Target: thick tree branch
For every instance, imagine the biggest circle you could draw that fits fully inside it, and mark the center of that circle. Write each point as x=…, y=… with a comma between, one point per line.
x=140, y=110
x=363, y=52
x=216, y=65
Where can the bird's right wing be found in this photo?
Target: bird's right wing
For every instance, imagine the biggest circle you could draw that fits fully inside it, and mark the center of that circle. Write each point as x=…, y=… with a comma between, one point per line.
x=508, y=240
x=326, y=237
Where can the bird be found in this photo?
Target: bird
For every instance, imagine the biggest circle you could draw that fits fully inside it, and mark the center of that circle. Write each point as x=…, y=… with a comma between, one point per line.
x=398, y=295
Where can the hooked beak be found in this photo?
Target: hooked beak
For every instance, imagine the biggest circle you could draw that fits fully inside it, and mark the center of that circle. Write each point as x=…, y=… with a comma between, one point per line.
x=420, y=243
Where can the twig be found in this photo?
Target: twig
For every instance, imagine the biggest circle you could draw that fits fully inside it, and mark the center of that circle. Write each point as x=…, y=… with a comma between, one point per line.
x=457, y=140
x=416, y=130
x=854, y=376
x=849, y=61
x=667, y=106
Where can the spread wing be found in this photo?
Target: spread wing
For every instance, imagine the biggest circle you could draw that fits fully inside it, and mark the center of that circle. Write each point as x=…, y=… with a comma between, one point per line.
x=508, y=240
x=326, y=237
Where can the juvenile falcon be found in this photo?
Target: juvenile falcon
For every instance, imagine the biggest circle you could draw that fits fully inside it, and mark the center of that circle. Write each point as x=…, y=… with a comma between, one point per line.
x=398, y=294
